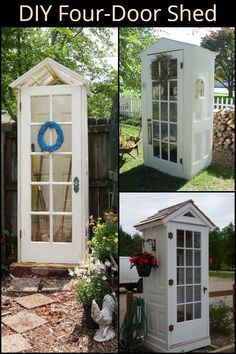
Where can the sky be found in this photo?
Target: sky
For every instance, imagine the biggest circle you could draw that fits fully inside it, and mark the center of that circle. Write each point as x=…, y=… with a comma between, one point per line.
x=135, y=207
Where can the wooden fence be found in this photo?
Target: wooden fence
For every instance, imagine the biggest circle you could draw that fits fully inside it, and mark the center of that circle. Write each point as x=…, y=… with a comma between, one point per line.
x=220, y=293
x=101, y=185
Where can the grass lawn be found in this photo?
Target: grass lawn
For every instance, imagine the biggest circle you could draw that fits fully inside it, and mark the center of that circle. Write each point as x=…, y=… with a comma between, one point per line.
x=134, y=176
x=221, y=274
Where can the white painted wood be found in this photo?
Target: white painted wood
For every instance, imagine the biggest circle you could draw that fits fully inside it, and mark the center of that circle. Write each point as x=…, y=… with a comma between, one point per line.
x=195, y=125
x=55, y=252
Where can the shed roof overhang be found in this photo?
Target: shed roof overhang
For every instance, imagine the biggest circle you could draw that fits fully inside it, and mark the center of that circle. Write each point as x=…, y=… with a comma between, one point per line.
x=48, y=72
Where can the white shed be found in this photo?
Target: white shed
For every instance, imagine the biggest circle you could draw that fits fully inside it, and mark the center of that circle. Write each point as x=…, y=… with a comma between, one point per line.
x=177, y=107
x=176, y=293
x=52, y=164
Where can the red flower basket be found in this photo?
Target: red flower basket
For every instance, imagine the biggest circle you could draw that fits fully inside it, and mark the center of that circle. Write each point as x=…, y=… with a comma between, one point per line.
x=144, y=263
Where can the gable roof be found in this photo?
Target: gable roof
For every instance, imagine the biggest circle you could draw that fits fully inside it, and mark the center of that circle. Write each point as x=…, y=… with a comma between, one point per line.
x=47, y=72
x=163, y=213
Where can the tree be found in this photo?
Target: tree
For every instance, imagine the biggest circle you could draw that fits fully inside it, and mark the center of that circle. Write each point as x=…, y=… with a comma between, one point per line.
x=215, y=248
x=222, y=41
x=228, y=234
x=80, y=49
x=128, y=244
x=132, y=41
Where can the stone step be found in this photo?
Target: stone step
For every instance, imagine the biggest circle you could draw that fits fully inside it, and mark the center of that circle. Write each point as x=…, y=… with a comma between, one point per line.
x=22, y=269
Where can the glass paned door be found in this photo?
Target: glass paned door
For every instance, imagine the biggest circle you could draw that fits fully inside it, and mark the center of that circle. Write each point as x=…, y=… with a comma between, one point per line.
x=165, y=97
x=52, y=210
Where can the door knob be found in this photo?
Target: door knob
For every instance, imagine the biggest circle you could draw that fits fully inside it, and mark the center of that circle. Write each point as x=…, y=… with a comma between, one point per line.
x=76, y=184
x=204, y=289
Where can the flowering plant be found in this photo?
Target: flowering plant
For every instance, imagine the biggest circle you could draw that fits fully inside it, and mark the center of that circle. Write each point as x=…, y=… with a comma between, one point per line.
x=105, y=236
x=144, y=259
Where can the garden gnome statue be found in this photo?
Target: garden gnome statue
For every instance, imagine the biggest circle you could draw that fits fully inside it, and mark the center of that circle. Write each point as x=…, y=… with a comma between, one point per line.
x=103, y=318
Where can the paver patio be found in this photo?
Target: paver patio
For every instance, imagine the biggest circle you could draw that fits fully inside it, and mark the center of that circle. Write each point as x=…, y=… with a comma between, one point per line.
x=26, y=285
x=14, y=343
x=23, y=321
x=34, y=300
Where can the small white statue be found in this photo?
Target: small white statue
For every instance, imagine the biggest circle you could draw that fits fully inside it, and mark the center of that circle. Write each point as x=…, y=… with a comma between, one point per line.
x=104, y=318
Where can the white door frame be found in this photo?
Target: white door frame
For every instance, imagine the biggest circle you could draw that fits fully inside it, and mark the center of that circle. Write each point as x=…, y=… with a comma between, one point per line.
x=54, y=252
x=198, y=328
x=161, y=164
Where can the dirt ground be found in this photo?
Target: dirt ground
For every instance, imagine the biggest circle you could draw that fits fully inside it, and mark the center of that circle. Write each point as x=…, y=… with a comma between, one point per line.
x=65, y=330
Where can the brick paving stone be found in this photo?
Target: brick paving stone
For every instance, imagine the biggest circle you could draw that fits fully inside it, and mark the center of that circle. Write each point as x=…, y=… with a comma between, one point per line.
x=27, y=285
x=14, y=343
x=23, y=321
x=34, y=300
x=57, y=286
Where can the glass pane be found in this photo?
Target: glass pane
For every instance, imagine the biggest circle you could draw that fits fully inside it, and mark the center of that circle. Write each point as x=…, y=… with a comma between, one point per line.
x=66, y=146
x=149, y=133
x=197, y=310
x=189, y=258
x=197, y=239
x=164, y=131
x=173, y=153
x=40, y=168
x=180, y=313
x=173, y=91
x=173, y=68
x=156, y=148
x=155, y=90
x=164, y=67
x=197, y=275
x=164, y=91
x=34, y=138
x=62, y=198
x=40, y=228
x=180, y=257
x=189, y=239
x=40, y=107
x=189, y=294
x=173, y=133
x=189, y=275
x=173, y=112
x=39, y=198
x=197, y=258
x=164, y=151
x=61, y=108
x=180, y=276
x=180, y=238
x=62, y=228
x=197, y=293
x=61, y=168
x=164, y=111
x=155, y=110
x=189, y=312
x=180, y=294
x=156, y=134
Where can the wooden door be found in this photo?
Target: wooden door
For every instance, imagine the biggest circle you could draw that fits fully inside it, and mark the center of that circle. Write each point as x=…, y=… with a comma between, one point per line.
x=164, y=111
x=51, y=207
x=188, y=307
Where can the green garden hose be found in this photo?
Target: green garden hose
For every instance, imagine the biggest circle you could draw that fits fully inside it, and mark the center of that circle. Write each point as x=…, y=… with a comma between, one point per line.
x=134, y=328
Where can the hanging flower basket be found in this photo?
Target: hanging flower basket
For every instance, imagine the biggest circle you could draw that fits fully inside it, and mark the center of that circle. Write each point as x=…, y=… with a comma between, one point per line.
x=144, y=263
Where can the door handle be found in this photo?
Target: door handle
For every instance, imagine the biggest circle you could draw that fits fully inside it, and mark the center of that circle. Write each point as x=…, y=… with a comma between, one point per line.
x=204, y=289
x=76, y=184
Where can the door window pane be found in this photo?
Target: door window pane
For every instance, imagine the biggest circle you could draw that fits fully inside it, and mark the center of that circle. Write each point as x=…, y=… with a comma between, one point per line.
x=173, y=68
x=197, y=258
x=164, y=111
x=156, y=134
x=40, y=228
x=173, y=112
x=155, y=90
x=156, y=148
x=62, y=198
x=180, y=257
x=197, y=275
x=180, y=238
x=164, y=151
x=164, y=91
x=164, y=131
x=62, y=165
x=189, y=312
x=189, y=275
x=40, y=198
x=40, y=108
x=62, y=228
x=66, y=146
x=173, y=153
x=197, y=293
x=155, y=110
x=189, y=294
x=189, y=239
x=180, y=313
x=173, y=91
x=180, y=294
x=180, y=276
x=189, y=258
x=197, y=310
x=197, y=239
x=39, y=168
x=61, y=108
x=173, y=133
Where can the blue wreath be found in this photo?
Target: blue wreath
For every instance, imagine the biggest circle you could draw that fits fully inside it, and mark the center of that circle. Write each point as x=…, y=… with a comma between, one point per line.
x=60, y=136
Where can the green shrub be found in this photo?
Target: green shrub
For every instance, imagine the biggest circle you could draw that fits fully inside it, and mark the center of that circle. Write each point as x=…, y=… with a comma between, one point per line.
x=219, y=318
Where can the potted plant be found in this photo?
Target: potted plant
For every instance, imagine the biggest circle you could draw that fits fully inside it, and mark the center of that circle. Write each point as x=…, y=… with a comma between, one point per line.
x=144, y=263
